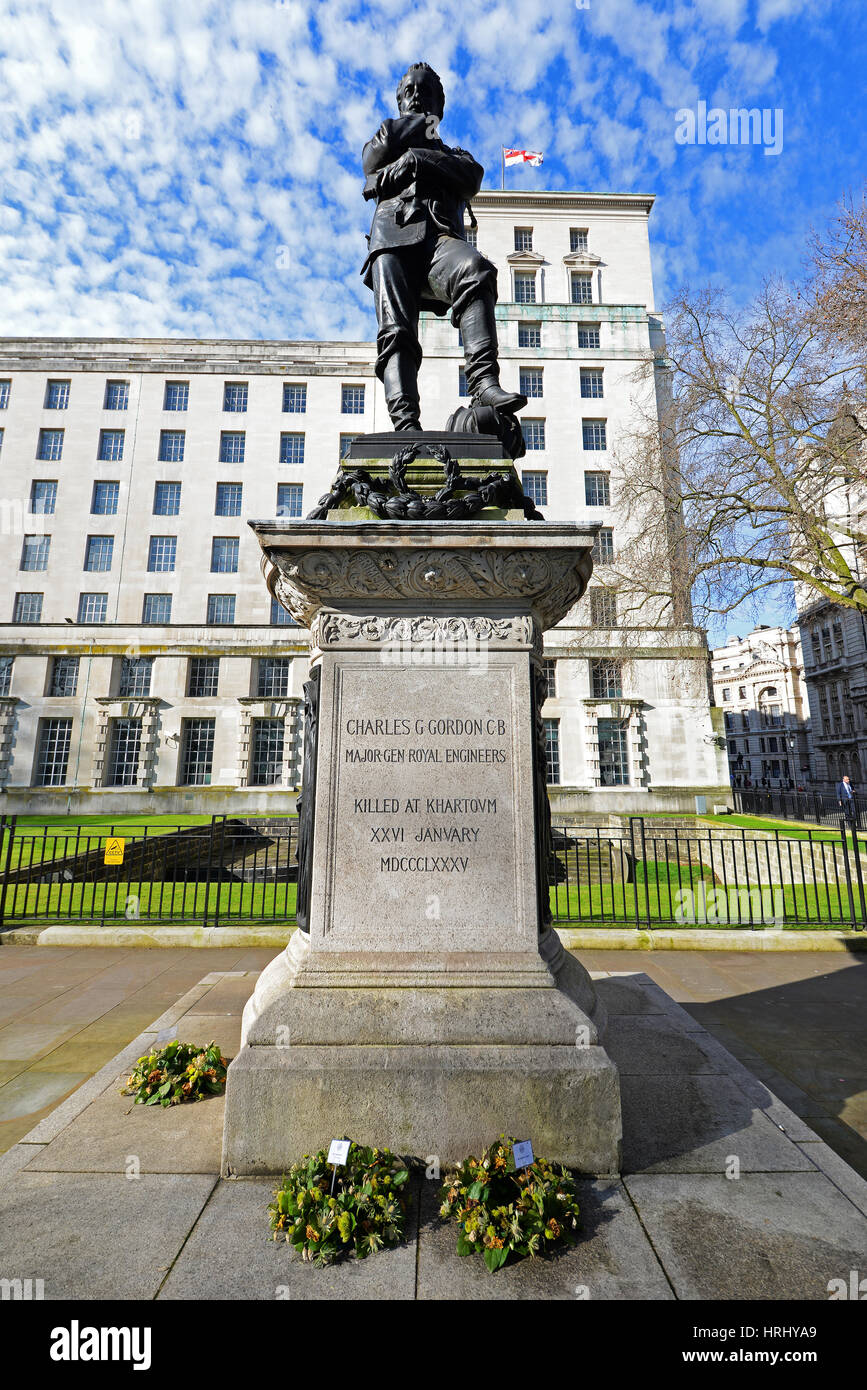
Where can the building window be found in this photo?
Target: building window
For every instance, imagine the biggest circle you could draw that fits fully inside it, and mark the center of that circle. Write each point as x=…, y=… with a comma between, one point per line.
x=157, y=609
x=221, y=609
x=64, y=676
x=34, y=553
x=1, y=439
x=50, y=446
x=603, y=546
x=105, y=498
x=6, y=664
x=57, y=395
x=292, y=448
x=280, y=616
x=52, y=759
x=110, y=446
x=28, y=608
x=345, y=441
x=197, y=754
x=530, y=379
x=167, y=499
x=577, y=238
x=92, y=608
x=162, y=553
x=472, y=236
x=98, y=553
x=172, y=445
x=228, y=499
x=581, y=284
x=266, y=757
x=116, y=395
x=525, y=287
x=591, y=382
x=603, y=607
x=549, y=671
x=135, y=675
x=224, y=555
x=289, y=499
x=235, y=397
x=295, y=398
x=606, y=679
x=613, y=753
x=534, y=434
x=727, y=694
x=124, y=750
x=588, y=335
x=523, y=238
x=552, y=751
x=594, y=435
x=535, y=486
x=273, y=675
x=463, y=388
x=530, y=335
x=232, y=446
x=43, y=496
x=204, y=675
x=177, y=395
x=597, y=489
x=352, y=400
x=5, y=389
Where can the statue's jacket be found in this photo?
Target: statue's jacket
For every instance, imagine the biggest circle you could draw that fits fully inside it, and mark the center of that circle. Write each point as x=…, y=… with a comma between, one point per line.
x=433, y=202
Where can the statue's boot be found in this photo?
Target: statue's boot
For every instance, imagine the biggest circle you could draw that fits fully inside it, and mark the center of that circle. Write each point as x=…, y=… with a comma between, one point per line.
x=400, y=380
x=479, y=333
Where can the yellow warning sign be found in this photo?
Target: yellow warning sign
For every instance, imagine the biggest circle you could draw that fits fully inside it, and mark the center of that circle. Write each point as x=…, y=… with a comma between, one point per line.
x=114, y=851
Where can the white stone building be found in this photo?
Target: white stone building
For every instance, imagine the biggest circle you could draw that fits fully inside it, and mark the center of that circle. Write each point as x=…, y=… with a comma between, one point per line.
x=834, y=640
x=142, y=665
x=758, y=681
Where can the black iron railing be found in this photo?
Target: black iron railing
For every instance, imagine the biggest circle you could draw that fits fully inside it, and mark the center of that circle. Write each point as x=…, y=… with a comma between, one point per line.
x=647, y=874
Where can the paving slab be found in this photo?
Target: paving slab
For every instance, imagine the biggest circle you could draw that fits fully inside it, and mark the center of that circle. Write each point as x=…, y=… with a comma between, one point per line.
x=688, y=1106
x=113, y=1129
x=96, y=1236
x=761, y=1237
x=34, y=1090
x=231, y=1256
x=658, y=1044
x=612, y=1260
x=694, y=1124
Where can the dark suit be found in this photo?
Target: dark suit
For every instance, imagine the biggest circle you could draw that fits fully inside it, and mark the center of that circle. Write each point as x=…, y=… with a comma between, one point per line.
x=418, y=257
x=846, y=800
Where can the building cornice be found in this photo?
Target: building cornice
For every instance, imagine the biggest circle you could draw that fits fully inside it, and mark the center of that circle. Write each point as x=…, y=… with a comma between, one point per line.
x=496, y=198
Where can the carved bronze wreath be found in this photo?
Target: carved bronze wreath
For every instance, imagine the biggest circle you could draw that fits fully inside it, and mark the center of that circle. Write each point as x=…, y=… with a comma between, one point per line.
x=391, y=500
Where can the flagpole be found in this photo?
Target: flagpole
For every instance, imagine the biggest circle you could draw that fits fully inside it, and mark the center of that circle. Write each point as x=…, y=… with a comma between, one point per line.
x=503, y=161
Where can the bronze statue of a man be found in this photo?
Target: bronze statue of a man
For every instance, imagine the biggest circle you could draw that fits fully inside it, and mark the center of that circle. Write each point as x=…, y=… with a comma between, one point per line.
x=419, y=257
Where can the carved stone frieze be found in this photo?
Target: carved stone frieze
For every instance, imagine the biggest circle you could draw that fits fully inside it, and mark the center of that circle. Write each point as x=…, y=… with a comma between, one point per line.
x=338, y=629
x=548, y=582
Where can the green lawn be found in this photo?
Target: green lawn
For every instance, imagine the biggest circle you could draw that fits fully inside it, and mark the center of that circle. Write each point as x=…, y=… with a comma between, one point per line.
x=38, y=838
x=791, y=829
x=121, y=902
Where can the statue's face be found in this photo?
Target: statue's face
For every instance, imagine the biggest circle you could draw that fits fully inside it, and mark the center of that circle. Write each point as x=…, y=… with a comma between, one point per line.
x=417, y=94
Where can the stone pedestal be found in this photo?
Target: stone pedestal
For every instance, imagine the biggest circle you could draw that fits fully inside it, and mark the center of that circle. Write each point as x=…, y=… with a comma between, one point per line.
x=428, y=1007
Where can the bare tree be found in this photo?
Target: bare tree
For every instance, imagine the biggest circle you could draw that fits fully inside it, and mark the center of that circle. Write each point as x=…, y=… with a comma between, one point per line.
x=751, y=471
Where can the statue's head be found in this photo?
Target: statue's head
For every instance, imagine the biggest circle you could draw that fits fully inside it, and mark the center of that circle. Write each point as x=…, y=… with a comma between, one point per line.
x=420, y=92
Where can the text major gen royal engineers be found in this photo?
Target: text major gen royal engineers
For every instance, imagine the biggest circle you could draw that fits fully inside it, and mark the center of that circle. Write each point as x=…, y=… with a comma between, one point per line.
x=407, y=728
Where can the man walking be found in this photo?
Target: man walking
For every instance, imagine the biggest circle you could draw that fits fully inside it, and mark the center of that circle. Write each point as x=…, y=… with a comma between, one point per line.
x=846, y=800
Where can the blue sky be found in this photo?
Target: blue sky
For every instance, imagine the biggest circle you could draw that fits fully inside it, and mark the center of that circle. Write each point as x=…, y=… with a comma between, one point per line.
x=193, y=169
